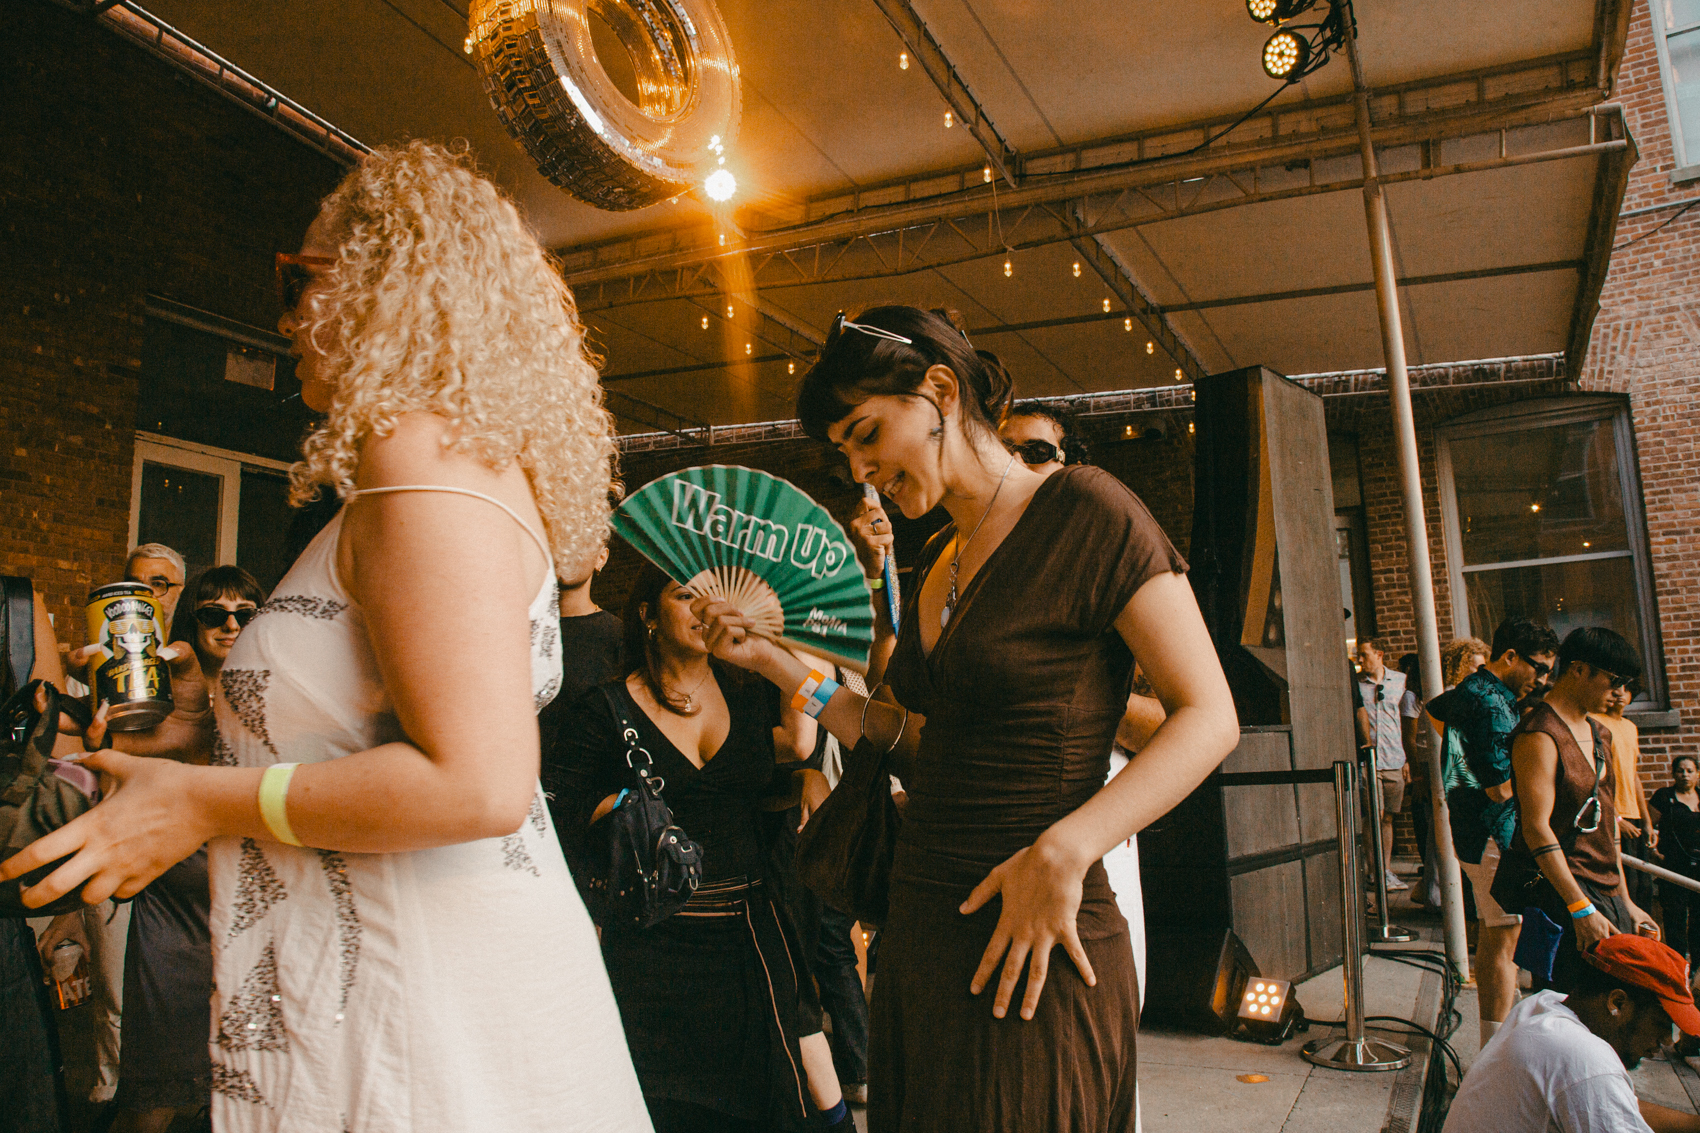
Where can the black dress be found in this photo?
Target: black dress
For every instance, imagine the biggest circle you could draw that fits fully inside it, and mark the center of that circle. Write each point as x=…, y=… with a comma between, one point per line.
x=1679, y=845
x=711, y=998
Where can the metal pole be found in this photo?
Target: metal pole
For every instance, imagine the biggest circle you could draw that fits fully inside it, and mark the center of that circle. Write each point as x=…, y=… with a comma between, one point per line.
x=1661, y=873
x=1352, y=1051
x=1382, y=933
x=1411, y=493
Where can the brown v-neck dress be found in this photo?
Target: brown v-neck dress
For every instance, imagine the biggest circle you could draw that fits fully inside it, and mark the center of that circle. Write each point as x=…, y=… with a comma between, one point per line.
x=1022, y=694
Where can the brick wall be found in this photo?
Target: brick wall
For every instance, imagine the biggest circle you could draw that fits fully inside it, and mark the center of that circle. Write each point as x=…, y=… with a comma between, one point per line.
x=118, y=178
x=1646, y=344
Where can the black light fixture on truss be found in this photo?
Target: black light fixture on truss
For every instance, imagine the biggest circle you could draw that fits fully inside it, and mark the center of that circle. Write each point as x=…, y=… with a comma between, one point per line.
x=1291, y=54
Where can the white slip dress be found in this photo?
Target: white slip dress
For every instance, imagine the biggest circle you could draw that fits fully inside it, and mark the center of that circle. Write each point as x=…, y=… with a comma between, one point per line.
x=446, y=990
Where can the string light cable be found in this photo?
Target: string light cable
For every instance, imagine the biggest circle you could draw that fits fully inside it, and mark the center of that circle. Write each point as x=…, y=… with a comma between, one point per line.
x=1630, y=243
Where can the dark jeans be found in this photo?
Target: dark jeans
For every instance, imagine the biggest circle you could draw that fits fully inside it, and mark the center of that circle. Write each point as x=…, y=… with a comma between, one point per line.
x=1682, y=916
x=841, y=994
x=1568, y=964
x=28, y=1084
x=1640, y=884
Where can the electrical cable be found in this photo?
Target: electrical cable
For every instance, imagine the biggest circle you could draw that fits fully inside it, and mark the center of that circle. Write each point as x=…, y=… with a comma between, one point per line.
x=1636, y=240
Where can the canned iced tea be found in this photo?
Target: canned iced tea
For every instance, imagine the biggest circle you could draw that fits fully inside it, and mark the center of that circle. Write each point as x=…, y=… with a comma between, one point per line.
x=128, y=673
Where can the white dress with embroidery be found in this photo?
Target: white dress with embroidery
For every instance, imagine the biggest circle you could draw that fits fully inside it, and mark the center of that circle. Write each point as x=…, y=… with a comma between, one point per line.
x=444, y=990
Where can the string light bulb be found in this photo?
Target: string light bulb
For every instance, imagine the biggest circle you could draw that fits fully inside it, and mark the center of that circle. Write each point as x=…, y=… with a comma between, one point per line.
x=749, y=348
x=1127, y=324
x=791, y=367
x=1077, y=269
x=949, y=120
x=1008, y=269
x=720, y=186
x=1150, y=348
x=468, y=45
x=1106, y=306
x=903, y=60
x=1190, y=428
x=1177, y=375
x=728, y=310
x=705, y=322
x=987, y=174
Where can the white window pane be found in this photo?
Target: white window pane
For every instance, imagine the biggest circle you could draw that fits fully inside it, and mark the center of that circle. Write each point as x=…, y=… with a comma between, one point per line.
x=1685, y=78
x=1678, y=13
x=1563, y=595
x=1539, y=493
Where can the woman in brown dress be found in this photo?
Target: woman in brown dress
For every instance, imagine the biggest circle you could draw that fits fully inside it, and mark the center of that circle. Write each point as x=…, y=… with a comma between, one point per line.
x=1017, y=649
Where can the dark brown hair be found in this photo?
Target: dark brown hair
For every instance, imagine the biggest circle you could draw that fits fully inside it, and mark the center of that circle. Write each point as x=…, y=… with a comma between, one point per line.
x=854, y=366
x=642, y=649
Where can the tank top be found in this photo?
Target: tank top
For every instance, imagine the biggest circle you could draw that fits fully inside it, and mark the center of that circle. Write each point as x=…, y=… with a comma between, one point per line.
x=1592, y=856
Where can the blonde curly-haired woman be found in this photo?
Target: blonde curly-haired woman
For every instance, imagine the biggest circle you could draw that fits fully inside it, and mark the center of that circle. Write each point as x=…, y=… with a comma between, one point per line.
x=398, y=945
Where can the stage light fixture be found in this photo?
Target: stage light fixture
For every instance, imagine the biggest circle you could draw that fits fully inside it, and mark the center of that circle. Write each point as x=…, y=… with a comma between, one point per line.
x=720, y=184
x=1277, y=11
x=1285, y=55
x=1268, y=1013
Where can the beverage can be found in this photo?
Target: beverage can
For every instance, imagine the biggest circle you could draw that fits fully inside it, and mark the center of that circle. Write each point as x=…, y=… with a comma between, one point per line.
x=127, y=672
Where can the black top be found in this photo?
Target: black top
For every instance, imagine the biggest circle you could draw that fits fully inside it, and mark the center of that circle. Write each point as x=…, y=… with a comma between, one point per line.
x=590, y=655
x=1679, y=832
x=717, y=805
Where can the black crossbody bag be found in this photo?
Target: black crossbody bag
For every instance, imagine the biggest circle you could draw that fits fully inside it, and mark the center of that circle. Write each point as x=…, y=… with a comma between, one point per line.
x=643, y=868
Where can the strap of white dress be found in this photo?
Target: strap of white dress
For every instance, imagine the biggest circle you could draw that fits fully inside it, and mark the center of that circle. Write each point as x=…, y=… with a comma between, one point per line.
x=529, y=530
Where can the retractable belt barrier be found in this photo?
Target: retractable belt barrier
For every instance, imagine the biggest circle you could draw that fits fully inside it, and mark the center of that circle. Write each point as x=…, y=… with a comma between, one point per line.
x=1350, y=1051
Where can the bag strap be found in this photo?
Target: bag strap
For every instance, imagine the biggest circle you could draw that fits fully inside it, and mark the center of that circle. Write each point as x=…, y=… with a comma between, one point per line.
x=648, y=781
x=17, y=630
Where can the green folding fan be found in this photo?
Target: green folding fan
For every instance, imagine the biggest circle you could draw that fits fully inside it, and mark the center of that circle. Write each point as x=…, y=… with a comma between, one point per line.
x=761, y=544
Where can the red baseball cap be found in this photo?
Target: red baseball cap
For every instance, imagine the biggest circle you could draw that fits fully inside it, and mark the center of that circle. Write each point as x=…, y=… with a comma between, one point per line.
x=1647, y=963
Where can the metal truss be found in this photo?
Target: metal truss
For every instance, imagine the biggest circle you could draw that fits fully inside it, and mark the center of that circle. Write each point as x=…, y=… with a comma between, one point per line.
x=211, y=69
x=1178, y=399
x=915, y=35
x=1283, y=151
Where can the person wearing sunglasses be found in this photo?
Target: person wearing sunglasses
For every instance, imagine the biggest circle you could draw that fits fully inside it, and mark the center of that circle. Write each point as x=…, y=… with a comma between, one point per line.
x=1564, y=859
x=1045, y=438
x=1005, y=965
x=397, y=940
x=1478, y=717
x=162, y=570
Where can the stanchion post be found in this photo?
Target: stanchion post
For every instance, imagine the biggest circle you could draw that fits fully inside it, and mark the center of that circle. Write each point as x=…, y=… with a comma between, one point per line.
x=1352, y=1051
x=1382, y=933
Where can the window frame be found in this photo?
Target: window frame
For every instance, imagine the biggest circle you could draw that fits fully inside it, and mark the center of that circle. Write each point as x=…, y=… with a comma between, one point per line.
x=1545, y=413
x=223, y=463
x=1687, y=166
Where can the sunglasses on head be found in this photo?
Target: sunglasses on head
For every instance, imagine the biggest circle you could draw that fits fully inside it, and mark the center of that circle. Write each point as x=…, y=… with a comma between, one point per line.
x=842, y=324
x=1037, y=452
x=294, y=274
x=214, y=617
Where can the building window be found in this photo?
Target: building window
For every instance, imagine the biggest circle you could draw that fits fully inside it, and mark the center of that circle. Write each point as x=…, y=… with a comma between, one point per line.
x=1676, y=31
x=1544, y=519
x=212, y=506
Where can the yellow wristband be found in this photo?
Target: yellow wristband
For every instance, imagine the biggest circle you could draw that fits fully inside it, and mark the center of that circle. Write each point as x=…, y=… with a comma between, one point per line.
x=1578, y=906
x=274, y=795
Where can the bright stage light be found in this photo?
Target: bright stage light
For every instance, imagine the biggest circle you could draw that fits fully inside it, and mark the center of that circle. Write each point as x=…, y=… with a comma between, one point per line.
x=1285, y=55
x=720, y=185
x=1276, y=11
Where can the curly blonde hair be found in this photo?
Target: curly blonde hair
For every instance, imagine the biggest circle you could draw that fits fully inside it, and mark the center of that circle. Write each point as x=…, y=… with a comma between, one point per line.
x=441, y=300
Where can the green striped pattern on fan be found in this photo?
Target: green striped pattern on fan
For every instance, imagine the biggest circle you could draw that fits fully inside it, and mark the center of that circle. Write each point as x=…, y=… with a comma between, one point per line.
x=762, y=544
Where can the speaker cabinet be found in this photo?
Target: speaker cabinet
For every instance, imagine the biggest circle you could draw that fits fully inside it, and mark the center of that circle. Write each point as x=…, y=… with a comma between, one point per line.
x=1262, y=861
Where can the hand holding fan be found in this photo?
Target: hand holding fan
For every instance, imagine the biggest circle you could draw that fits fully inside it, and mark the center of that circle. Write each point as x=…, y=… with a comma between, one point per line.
x=758, y=542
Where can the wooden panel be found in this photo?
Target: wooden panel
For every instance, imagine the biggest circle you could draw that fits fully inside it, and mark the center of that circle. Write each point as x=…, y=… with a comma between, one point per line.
x=1318, y=695
x=1260, y=819
x=1269, y=916
x=1322, y=900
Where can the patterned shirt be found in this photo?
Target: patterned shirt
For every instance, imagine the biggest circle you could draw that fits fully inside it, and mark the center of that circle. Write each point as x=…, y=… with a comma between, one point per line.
x=1480, y=715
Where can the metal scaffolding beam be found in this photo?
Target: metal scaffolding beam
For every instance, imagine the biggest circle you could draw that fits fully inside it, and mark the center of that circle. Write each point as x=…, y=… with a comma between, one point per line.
x=887, y=251
x=913, y=31
x=1172, y=162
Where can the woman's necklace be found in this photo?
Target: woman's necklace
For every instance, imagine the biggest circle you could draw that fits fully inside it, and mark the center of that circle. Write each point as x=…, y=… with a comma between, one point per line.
x=690, y=705
x=950, y=599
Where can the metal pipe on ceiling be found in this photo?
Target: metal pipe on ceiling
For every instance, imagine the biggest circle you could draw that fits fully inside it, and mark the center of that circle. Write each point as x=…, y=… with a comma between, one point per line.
x=1411, y=494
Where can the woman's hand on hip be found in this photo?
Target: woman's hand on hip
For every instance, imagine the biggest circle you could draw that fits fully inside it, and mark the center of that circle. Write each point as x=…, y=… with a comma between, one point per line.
x=1041, y=887
x=143, y=828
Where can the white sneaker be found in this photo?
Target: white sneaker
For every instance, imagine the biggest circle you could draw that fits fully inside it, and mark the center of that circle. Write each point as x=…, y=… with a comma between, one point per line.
x=1394, y=882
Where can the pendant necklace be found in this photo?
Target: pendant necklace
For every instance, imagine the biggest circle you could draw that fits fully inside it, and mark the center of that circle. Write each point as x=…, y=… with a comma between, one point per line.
x=950, y=599
x=690, y=705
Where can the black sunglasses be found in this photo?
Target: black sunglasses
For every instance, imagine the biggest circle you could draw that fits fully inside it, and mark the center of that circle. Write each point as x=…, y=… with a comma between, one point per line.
x=1037, y=452
x=1617, y=682
x=213, y=617
x=294, y=274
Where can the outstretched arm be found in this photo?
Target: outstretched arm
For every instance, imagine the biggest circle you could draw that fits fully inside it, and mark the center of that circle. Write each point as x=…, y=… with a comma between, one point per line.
x=459, y=679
